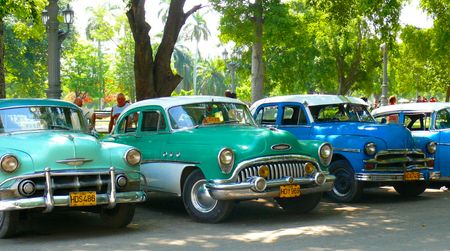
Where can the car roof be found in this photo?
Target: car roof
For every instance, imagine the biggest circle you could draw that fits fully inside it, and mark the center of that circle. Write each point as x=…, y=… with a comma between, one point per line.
x=311, y=99
x=7, y=103
x=168, y=102
x=411, y=108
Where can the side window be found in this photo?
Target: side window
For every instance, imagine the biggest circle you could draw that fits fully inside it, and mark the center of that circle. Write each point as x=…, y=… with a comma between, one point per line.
x=417, y=122
x=129, y=123
x=443, y=119
x=293, y=115
x=267, y=115
x=381, y=119
x=153, y=121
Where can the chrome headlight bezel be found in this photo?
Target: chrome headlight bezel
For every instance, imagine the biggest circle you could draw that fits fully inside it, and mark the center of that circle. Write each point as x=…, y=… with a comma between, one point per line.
x=325, y=153
x=431, y=147
x=9, y=163
x=132, y=157
x=225, y=158
x=370, y=148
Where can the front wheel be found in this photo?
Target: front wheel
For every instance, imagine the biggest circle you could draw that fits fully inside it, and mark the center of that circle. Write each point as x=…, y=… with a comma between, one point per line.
x=8, y=223
x=346, y=188
x=410, y=189
x=199, y=203
x=119, y=216
x=304, y=204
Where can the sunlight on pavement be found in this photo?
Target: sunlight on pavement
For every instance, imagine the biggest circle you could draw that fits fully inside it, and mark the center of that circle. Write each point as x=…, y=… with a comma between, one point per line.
x=273, y=236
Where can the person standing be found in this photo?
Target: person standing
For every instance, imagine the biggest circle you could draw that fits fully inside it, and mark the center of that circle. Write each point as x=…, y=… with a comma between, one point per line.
x=117, y=109
x=394, y=117
x=87, y=113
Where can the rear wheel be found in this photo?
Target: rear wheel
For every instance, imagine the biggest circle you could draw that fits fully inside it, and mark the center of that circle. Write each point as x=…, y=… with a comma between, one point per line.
x=9, y=221
x=119, y=216
x=410, y=189
x=346, y=188
x=199, y=203
x=304, y=204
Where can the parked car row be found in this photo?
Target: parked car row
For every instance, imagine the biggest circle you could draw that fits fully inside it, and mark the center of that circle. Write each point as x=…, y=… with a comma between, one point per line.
x=212, y=152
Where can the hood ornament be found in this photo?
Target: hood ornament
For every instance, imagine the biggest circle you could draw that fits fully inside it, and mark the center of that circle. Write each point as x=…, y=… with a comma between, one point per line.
x=70, y=137
x=281, y=147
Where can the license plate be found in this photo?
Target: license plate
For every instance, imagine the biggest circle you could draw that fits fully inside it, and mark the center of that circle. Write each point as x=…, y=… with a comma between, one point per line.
x=411, y=176
x=79, y=199
x=289, y=191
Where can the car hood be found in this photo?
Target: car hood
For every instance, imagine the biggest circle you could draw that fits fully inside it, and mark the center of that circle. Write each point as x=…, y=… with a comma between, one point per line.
x=248, y=141
x=49, y=149
x=395, y=136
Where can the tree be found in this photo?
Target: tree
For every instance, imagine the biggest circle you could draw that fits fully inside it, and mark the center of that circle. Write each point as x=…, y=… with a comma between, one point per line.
x=25, y=12
x=154, y=76
x=197, y=30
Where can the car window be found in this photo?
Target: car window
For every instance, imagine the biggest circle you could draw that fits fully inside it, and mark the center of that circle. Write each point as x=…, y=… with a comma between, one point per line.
x=209, y=113
x=152, y=121
x=41, y=118
x=443, y=119
x=267, y=115
x=129, y=123
x=341, y=112
x=417, y=122
x=293, y=115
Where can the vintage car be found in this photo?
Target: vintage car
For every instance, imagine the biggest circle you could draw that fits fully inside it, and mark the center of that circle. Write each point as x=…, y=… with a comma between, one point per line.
x=426, y=121
x=49, y=161
x=365, y=152
x=209, y=151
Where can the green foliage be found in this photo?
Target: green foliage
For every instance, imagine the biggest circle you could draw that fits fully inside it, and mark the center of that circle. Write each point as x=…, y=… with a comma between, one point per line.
x=25, y=64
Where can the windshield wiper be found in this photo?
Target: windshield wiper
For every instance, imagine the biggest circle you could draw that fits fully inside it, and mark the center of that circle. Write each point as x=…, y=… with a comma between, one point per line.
x=60, y=127
x=231, y=121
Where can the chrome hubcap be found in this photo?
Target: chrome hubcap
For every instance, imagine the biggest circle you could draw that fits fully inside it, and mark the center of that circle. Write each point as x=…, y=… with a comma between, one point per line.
x=200, y=197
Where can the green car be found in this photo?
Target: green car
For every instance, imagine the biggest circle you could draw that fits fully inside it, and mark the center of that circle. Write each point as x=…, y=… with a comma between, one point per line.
x=209, y=151
x=49, y=161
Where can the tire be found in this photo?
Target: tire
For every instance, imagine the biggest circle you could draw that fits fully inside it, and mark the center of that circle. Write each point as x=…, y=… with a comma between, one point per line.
x=119, y=216
x=199, y=203
x=345, y=188
x=9, y=221
x=304, y=204
x=410, y=189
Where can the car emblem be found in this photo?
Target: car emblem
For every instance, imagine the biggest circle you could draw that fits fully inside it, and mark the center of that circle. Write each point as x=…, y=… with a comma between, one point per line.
x=281, y=147
x=70, y=137
x=74, y=161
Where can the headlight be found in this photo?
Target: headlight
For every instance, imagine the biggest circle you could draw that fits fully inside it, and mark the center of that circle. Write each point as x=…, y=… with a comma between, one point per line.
x=431, y=147
x=370, y=148
x=9, y=163
x=133, y=157
x=325, y=153
x=226, y=160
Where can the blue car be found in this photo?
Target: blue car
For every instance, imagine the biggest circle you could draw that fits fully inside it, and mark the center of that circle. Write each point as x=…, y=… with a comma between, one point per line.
x=366, y=153
x=426, y=121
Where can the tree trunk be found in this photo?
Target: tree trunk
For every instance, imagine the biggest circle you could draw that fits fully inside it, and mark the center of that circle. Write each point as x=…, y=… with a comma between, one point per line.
x=257, y=53
x=2, y=62
x=143, y=55
x=156, y=78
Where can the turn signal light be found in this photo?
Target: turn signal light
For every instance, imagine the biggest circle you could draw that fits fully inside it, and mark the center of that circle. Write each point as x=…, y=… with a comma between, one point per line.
x=369, y=166
x=263, y=171
x=430, y=163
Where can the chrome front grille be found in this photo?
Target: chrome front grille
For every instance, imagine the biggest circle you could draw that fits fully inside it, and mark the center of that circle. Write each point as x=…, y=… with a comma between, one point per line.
x=63, y=185
x=392, y=155
x=398, y=160
x=278, y=170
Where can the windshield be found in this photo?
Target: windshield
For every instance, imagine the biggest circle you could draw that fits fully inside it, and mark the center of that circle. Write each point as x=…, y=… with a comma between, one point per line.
x=192, y=115
x=40, y=118
x=341, y=113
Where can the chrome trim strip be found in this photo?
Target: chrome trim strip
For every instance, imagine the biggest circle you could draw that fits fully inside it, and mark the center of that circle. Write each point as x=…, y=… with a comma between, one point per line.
x=265, y=160
x=436, y=176
x=169, y=161
x=383, y=177
x=64, y=201
x=73, y=161
x=235, y=191
x=443, y=144
x=350, y=150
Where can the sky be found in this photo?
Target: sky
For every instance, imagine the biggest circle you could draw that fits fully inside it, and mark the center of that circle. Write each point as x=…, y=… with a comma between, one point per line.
x=411, y=14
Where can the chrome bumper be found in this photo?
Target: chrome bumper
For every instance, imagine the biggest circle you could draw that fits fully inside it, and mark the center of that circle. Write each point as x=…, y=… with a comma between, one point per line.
x=247, y=190
x=382, y=177
x=49, y=201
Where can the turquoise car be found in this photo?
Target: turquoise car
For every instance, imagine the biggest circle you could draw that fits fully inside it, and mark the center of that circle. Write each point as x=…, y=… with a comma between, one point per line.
x=209, y=151
x=49, y=161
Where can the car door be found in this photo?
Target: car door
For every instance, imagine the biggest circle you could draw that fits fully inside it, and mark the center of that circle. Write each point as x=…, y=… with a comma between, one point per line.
x=267, y=115
x=294, y=119
x=442, y=127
